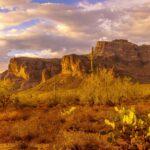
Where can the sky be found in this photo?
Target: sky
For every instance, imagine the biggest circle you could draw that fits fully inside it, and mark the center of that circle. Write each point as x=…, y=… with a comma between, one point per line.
x=53, y=28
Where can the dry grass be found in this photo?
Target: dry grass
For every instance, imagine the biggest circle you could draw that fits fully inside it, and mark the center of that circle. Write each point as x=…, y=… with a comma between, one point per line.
x=67, y=127
x=100, y=88
x=70, y=118
x=104, y=88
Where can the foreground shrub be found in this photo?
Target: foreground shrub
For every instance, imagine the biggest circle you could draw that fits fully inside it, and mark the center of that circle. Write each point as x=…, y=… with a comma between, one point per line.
x=6, y=90
x=79, y=141
x=104, y=88
x=130, y=127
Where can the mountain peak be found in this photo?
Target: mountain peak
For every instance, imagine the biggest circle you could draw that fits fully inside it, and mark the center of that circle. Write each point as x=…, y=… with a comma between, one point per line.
x=127, y=59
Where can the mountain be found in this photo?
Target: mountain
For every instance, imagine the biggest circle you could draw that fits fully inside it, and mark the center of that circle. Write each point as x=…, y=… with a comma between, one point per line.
x=126, y=58
x=30, y=71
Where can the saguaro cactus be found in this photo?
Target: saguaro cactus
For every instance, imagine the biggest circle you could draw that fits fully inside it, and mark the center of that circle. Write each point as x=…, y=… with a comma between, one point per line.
x=92, y=59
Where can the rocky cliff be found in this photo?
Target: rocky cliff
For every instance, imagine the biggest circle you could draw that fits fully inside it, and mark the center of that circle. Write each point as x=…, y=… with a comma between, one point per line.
x=75, y=64
x=30, y=71
x=119, y=48
x=126, y=58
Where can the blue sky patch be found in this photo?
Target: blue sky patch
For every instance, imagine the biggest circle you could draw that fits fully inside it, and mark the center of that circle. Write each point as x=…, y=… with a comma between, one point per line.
x=24, y=25
x=65, y=1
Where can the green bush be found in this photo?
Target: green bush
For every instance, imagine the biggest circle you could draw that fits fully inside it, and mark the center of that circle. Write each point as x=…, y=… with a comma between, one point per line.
x=104, y=88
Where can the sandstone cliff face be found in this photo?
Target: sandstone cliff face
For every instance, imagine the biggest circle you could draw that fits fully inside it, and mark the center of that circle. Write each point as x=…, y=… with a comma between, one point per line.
x=119, y=48
x=46, y=74
x=75, y=65
x=31, y=70
x=144, y=53
x=126, y=58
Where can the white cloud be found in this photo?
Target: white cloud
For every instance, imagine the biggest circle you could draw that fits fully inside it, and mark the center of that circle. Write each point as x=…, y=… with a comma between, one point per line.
x=86, y=6
x=10, y=3
x=47, y=53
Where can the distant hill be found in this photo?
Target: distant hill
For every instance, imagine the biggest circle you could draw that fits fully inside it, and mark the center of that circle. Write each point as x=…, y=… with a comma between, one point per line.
x=126, y=58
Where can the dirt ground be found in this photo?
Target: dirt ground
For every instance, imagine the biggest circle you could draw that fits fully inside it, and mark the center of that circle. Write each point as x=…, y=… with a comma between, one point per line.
x=71, y=127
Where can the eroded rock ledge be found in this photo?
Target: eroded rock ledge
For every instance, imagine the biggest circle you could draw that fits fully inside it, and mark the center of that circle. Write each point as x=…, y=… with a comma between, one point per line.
x=125, y=57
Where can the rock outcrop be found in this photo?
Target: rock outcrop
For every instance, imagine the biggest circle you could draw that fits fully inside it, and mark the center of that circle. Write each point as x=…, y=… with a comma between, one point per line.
x=31, y=70
x=75, y=64
x=118, y=48
x=46, y=74
x=144, y=53
x=126, y=58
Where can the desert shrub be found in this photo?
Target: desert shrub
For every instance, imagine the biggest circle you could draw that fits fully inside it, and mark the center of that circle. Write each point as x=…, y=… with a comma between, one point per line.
x=6, y=90
x=27, y=130
x=24, y=130
x=79, y=140
x=20, y=100
x=16, y=102
x=81, y=119
x=7, y=85
x=4, y=98
x=50, y=98
x=98, y=88
x=130, y=127
x=68, y=97
x=104, y=88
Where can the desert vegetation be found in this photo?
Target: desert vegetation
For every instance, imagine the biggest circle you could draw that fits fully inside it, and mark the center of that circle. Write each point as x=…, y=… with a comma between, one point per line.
x=104, y=88
x=100, y=111
x=130, y=127
x=74, y=74
x=101, y=87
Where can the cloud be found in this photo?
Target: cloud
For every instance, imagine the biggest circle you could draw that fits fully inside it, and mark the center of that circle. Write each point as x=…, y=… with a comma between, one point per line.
x=86, y=6
x=48, y=53
x=73, y=28
x=10, y=3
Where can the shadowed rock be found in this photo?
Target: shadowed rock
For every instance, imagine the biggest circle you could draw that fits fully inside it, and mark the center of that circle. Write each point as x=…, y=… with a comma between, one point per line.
x=31, y=71
x=75, y=64
x=126, y=58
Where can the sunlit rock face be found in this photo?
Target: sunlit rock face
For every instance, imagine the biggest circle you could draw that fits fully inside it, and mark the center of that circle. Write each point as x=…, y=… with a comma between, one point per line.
x=118, y=48
x=125, y=57
x=19, y=68
x=32, y=70
x=46, y=74
x=75, y=64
